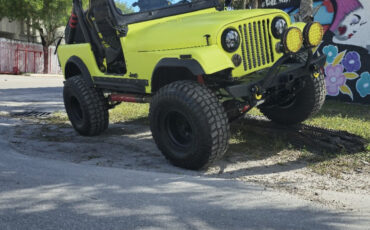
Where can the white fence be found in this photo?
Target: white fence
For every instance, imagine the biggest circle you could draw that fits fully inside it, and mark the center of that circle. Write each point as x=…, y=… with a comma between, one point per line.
x=23, y=57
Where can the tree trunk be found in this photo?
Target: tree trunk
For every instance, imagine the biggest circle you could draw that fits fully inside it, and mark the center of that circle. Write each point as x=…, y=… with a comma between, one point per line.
x=28, y=25
x=45, y=48
x=254, y=4
x=244, y=4
x=46, y=59
x=305, y=11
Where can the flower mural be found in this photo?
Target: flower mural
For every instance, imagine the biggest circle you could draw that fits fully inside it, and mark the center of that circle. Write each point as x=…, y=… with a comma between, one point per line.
x=331, y=52
x=335, y=76
x=352, y=61
x=346, y=45
x=363, y=84
x=334, y=79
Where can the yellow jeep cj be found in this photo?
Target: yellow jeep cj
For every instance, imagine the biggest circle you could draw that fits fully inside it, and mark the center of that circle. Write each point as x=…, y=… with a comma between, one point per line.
x=199, y=66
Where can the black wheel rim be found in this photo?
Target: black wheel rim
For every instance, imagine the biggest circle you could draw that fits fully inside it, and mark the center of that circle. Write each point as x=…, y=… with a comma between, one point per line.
x=76, y=109
x=179, y=130
x=287, y=104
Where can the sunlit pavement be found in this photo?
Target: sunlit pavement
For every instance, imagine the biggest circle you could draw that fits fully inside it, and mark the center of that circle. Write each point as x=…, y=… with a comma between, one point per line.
x=30, y=93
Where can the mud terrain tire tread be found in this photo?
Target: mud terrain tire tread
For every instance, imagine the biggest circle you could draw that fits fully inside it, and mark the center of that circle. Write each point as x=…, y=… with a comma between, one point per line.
x=206, y=112
x=308, y=102
x=93, y=104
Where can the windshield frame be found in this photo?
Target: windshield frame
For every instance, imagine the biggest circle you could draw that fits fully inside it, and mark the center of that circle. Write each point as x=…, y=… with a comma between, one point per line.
x=126, y=19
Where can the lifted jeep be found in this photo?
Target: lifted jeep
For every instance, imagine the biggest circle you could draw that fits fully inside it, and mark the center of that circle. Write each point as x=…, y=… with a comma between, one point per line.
x=198, y=65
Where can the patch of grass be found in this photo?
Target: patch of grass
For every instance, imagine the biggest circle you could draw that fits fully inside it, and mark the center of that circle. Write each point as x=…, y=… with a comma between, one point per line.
x=125, y=112
x=57, y=118
x=129, y=112
x=337, y=165
x=255, y=112
x=255, y=144
x=353, y=118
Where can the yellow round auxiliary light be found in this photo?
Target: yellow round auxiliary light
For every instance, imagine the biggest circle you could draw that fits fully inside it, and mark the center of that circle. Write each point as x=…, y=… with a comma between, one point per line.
x=313, y=33
x=293, y=40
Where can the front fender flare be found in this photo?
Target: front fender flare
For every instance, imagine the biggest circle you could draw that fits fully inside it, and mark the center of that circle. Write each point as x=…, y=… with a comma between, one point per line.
x=192, y=65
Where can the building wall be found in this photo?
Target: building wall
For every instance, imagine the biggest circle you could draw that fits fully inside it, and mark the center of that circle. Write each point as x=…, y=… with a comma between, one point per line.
x=24, y=57
x=17, y=31
x=20, y=53
x=346, y=43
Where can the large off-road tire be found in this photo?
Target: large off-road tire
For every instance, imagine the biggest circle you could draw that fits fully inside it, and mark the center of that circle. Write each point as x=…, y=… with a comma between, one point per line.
x=305, y=104
x=86, y=107
x=189, y=124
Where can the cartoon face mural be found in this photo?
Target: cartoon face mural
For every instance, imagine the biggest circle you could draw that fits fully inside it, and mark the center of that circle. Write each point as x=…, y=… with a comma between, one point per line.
x=346, y=44
x=351, y=23
x=349, y=26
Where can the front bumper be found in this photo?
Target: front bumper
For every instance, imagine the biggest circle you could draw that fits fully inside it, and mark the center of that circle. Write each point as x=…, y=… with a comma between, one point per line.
x=279, y=74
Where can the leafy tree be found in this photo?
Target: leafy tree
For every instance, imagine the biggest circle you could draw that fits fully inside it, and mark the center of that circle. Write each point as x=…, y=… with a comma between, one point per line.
x=120, y=4
x=244, y=4
x=305, y=13
x=45, y=16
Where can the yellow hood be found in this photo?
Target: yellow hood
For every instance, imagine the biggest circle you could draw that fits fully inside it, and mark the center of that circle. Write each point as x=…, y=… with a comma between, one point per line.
x=187, y=30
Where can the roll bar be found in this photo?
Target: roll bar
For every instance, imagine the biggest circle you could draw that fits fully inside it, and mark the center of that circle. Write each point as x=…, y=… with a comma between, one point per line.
x=90, y=37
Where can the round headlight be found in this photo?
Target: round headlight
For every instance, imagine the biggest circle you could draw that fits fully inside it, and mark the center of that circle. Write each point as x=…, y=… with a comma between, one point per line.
x=279, y=25
x=230, y=40
x=293, y=40
x=313, y=34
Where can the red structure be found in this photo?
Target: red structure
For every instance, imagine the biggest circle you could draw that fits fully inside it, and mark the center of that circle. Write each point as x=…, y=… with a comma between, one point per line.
x=19, y=57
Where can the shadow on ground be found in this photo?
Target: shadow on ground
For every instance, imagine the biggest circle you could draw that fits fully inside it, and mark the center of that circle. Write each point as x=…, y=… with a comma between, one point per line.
x=179, y=204
x=130, y=145
x=31, y=99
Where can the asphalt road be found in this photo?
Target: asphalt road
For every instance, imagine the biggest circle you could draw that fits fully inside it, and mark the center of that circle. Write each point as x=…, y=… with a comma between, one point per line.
x=36, y=193
x=20, y=94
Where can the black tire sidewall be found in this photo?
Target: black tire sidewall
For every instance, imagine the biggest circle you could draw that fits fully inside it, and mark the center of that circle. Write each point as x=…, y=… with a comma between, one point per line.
x=206, y=117
x=95, y=116
x=305, y=104
x=82, y=125
x=198, y=125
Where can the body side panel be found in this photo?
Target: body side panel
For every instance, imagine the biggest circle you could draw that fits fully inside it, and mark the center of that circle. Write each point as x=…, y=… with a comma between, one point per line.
x=147, y=43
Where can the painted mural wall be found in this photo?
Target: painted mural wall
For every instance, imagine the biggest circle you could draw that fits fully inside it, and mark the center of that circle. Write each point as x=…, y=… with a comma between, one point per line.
x=346, y=44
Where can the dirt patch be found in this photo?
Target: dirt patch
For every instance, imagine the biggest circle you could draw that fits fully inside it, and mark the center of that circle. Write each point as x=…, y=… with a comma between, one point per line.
x=253, y=157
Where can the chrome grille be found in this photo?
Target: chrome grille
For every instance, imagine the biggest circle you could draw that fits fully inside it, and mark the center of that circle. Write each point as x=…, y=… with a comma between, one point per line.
x=256, y=44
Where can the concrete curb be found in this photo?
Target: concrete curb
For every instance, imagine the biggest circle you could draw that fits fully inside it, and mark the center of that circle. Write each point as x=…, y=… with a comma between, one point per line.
x=42, y=75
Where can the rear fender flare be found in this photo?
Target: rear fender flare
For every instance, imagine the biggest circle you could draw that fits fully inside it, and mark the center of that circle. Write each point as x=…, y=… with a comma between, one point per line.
x=76, y=62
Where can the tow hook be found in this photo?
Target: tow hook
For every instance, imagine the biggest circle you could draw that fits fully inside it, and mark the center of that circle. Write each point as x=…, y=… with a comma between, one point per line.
x=256, y=92
x=258, y=96
x=316, y=71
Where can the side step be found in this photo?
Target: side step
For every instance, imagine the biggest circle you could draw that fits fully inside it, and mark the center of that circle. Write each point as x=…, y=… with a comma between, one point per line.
x=121, y=84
